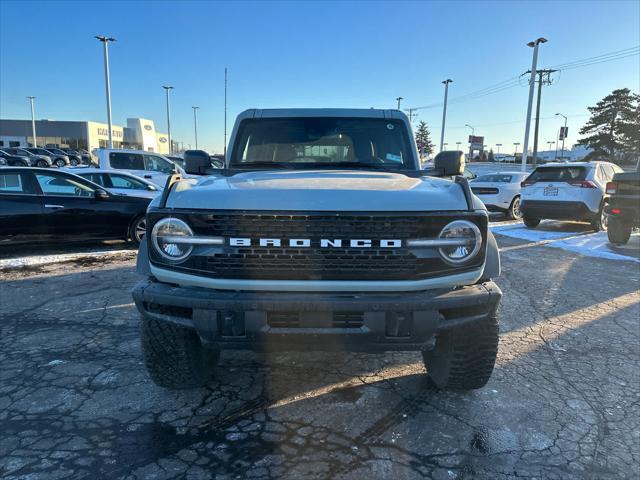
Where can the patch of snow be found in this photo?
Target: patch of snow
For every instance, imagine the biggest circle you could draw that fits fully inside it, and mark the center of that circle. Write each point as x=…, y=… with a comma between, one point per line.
x=39, y=260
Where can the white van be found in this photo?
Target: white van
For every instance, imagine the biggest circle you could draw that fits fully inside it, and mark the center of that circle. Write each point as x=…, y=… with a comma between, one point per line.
x=148, y=165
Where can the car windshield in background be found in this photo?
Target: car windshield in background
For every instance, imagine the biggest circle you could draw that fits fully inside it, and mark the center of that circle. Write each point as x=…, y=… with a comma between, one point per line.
x=559, y=174
x=322, y=143
x=494, y=178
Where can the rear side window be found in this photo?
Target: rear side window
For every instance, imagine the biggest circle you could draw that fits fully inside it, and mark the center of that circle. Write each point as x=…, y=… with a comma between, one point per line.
x=126, y=161
x=121, y=181
x=559, y=174
x=154, y=163
x=13, y=183
x=53, y=184
x=95, y=178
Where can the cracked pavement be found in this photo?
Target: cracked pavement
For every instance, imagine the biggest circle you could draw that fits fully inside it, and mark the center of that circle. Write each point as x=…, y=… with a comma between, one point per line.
x=76, y=402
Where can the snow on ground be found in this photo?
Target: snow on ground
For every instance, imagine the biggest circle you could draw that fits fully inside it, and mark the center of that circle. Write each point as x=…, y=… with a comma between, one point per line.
x=39, y=260
x=574, y=237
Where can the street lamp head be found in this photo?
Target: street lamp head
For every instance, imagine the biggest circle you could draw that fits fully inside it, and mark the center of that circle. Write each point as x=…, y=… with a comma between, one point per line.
x=448, y=80
x=105, y=39
x=195, y=108
x=537, y=42
x=167, y=87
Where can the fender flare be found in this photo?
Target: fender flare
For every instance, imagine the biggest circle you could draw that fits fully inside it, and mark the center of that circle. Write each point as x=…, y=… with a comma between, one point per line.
x=142, y=260
x=492, y=267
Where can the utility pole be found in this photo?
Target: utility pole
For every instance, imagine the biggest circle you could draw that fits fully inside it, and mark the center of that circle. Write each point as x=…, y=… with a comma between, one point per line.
x=167, y=88
x=225, y=113
x=398, y=99
x=195, y=124
x=33, y=122
x=535, y=44
x=444, y=111
x=544, y=78
x=105, y=42
x=564, y=134
x=557, y=143
x=411, y=114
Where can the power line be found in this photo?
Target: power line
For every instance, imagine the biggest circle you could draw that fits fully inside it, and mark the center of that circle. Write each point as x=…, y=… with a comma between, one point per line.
x=515, y=81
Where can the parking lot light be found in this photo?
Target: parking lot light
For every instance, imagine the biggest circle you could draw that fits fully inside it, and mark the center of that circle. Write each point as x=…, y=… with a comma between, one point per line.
x=195, y=124
x=532, y=81
x=33, y=122
x=105, y=42
x=444, y=110
x=166, y=89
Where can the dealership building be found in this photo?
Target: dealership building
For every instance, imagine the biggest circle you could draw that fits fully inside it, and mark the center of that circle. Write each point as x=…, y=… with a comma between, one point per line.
x=139, y=134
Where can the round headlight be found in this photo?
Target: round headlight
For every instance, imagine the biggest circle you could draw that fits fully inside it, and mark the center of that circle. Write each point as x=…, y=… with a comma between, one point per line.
x=466, y=241
x=168, y=237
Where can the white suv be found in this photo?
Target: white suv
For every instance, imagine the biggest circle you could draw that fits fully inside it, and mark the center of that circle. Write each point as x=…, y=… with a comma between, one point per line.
x=148, y=165
x=567, y=191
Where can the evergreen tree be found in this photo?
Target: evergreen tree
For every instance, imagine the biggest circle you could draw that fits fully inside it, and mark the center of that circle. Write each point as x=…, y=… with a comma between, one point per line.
x=614, y=127
x=491, y=156
x=423, y=140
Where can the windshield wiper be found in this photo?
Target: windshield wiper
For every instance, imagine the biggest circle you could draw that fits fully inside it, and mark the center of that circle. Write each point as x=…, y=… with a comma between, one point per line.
x=261, y=165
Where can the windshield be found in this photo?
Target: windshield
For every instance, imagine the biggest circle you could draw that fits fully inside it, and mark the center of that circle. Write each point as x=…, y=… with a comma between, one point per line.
x=323, y=142
x=494, y=178
x=559, y=174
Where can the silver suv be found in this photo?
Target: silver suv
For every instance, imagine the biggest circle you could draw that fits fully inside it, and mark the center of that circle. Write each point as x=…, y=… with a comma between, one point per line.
x=567, y=191
x=322, y=233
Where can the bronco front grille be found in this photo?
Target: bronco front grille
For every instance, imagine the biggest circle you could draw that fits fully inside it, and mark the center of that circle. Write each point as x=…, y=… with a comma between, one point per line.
x=314, y=262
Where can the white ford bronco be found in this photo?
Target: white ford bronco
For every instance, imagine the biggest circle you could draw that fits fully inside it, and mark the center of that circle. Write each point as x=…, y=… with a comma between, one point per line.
x=321, y=233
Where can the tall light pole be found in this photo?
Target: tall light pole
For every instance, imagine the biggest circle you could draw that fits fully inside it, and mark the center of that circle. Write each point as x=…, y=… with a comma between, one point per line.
x=225, y=114
x=105, y=42
x=166, y=89
x=498, y=145
x=515, y=154
x=532, y=83
x=33, y=122
x=473, y=130
x=473, y=134
x=444, y=111
x=399, y=99
x=458, y=145
x=564, y=133
x=195, y=124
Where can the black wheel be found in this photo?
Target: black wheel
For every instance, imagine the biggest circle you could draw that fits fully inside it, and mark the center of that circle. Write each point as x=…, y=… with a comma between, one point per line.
x=618, y=231
x=600, y=221
x=137, y=229
x=464, y=357
x=73, y=162
x=59, y=163
x=174, y=356
x=42, y=163
x=531, y=222
x=514, y=211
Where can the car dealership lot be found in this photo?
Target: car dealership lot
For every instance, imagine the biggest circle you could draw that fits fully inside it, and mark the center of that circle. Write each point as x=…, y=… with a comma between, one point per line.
x=76, y=401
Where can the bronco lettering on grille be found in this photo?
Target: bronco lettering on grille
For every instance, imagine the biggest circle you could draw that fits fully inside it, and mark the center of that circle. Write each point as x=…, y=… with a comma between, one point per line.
x=308, y=243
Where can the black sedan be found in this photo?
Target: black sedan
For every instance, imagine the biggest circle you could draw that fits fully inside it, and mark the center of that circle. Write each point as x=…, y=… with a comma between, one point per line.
x=38, y=204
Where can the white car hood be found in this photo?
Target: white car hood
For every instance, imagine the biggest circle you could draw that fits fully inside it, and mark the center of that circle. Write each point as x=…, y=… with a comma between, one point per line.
x=317, y=190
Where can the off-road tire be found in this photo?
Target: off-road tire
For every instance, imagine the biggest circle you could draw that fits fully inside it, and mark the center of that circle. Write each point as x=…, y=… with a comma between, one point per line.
x=514, y=212
x=531, y=222
x=174, y=356
x=600, y=222
x=464, y=357
x=618, y=231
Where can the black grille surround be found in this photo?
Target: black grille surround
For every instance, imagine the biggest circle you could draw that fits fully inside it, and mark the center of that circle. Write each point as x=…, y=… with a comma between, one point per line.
x=315, y=263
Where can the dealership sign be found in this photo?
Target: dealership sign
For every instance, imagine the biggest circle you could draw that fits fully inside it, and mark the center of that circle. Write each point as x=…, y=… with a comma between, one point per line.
x=477, y=143
x=162, y=140
x=148, y=128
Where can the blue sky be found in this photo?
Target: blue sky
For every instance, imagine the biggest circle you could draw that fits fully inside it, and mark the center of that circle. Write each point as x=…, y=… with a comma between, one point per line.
x=315, y=54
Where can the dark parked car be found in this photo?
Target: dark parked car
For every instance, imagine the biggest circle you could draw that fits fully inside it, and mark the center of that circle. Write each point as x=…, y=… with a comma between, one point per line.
x=74, y=158
x=38, y=204
x=14, y=160
x=58, y=160
x=85, y=157
x=624, y=205
x=36, y=160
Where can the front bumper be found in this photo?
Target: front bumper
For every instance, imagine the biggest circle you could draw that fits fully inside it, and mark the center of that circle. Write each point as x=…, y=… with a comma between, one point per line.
x=379, y=321
x=547, y=209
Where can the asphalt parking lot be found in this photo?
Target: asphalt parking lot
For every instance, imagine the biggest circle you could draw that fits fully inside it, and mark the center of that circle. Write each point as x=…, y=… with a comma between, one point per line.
x=76, y=402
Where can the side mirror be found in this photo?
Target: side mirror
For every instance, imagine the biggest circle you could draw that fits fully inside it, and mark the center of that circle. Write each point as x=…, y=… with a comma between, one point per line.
x=100, y=194
x=450, y=163
x=196, y=162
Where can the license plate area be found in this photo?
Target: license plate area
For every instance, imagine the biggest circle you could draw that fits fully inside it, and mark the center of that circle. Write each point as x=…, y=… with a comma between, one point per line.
x=550, y=191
